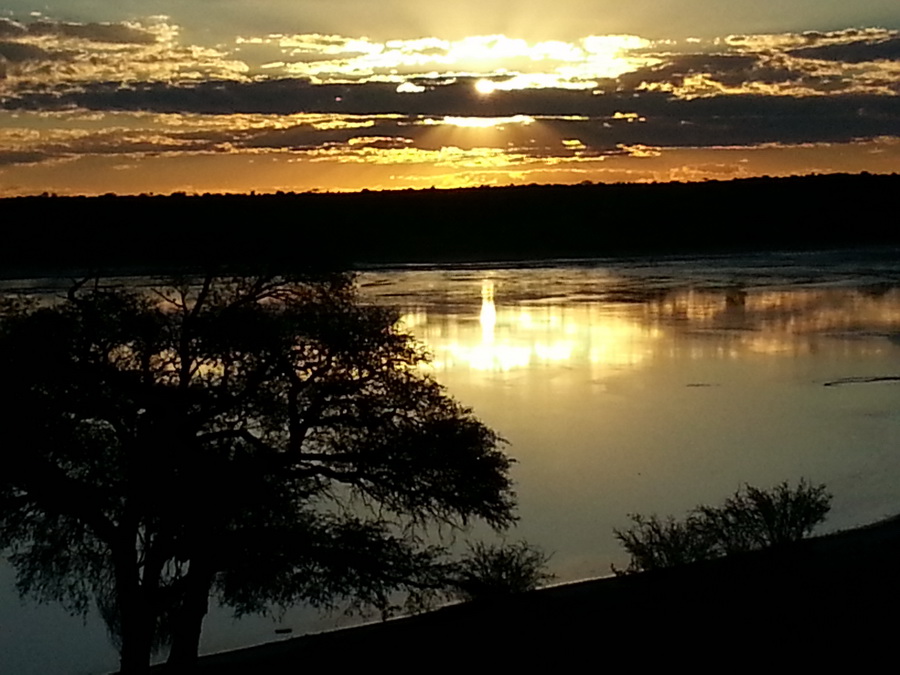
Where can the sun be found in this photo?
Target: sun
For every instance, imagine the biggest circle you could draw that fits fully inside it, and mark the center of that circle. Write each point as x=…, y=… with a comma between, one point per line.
x=485, y=87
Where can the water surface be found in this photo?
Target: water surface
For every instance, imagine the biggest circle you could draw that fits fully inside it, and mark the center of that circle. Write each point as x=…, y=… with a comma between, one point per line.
x=650, y=388
x=622, y=387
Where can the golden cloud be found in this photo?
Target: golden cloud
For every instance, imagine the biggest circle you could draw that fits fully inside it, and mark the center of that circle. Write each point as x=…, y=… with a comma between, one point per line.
x=511, y=63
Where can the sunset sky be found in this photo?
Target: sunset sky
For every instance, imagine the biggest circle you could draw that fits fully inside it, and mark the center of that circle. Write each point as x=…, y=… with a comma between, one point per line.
x=233, y=95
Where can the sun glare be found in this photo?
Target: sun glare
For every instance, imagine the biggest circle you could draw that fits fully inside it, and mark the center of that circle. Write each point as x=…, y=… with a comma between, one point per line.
x=485, y=122
x=521, y=336
x=502, y=63
x=485, y=87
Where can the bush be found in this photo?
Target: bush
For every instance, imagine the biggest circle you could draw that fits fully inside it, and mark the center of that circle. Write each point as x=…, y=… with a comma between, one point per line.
x=749, y=520
x=754, y=519
x=655, y=543
x=493, y=571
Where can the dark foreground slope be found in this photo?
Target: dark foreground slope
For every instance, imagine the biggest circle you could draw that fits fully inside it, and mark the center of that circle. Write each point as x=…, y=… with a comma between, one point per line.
x=829, y=601
x=115, y=234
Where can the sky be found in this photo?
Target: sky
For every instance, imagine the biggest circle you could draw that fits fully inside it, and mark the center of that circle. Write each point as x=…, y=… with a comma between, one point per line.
x=160, y=96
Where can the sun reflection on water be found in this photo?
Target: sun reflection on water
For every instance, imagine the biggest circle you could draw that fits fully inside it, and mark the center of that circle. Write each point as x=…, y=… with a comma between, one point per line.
x=518, y=336
x=509, y=333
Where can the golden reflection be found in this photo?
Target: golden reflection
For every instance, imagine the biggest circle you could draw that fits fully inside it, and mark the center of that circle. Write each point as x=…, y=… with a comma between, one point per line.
x=788, y=321
x=508, y=334
x=488, y=317
x=511, y=337
x=621, y=343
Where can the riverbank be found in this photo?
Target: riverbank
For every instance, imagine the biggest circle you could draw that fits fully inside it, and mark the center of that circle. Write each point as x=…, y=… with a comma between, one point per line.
x=287, y=231
x=828, y=597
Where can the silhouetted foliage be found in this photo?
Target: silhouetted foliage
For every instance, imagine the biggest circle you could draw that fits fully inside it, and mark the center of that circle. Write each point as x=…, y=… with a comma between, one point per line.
x=266, y=440
x=753, y=518
x=749, y=520
x=467, y=224
x=654, y=543
x=493, y=571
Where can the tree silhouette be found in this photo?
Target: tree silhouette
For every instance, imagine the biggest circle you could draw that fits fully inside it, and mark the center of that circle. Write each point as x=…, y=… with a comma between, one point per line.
x=751, y=519
x=266, y=440
x=491, y=572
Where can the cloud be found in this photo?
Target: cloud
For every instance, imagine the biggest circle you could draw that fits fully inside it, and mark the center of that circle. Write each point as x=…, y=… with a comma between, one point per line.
x=760, y=65
x=670, y=120
x=858, y=51
x=17, y=157
x=516, y=63
x=139, y=56
x=45, y=56
x=19, y=52
x=653, y=123
x=335, y=138
x=789, y=64
x=789, y=41
x=420, y=101
x=112, y=33
x=10, y=28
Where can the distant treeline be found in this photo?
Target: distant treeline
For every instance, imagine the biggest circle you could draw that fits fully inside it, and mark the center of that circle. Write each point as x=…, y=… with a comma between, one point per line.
x=48, y=234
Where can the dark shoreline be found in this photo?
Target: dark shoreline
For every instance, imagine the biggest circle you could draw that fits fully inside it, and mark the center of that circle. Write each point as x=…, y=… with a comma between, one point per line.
x=286, y=231
x=808, y=603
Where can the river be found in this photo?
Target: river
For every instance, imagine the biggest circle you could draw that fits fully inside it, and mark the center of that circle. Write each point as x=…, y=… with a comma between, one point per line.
x=624, y=387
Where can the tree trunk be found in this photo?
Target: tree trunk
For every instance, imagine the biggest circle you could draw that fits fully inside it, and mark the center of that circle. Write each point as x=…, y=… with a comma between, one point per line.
x=136, y=624
x=187, y=623
x=137, y=603
x=137, y=644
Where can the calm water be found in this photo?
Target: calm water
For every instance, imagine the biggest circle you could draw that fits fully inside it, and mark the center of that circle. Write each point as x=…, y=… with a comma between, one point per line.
x=638, y=388
x=624, y=388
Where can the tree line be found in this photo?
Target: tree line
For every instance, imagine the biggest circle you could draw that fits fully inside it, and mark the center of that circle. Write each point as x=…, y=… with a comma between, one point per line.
x=147, y=233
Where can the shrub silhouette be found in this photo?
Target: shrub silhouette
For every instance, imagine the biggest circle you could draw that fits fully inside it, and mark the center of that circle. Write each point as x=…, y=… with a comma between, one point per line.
x=749, y=520
x=654, y=542
x=493, y=571
x=753, y=518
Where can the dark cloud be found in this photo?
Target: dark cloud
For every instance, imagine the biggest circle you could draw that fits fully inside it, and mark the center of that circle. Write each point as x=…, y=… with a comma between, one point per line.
x=114, y=142
x=53, y=56
x=9, y=28
x=18, y=52
x=112, y=33
x=705, y=121
x=19, y=157
x=853, y=52
x=728, y=69
x=382, y=142
x=701, y=123
x=306, y=136
x=734, y=121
